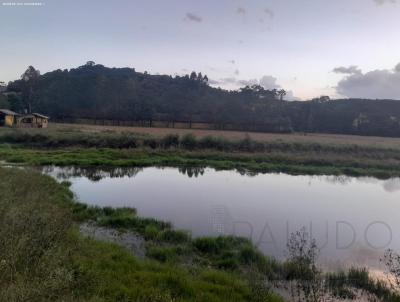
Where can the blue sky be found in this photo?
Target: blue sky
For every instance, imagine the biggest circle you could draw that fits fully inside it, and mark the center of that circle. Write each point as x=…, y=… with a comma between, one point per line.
x=295, y=44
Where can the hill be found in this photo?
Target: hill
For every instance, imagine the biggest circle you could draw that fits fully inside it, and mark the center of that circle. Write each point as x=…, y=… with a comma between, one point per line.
x=97, y=92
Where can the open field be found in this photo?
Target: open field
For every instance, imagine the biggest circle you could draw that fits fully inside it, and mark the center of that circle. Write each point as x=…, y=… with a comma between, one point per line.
x=320, y=138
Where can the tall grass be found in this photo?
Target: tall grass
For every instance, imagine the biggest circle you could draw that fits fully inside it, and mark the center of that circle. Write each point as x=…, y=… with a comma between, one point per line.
x=342, y=285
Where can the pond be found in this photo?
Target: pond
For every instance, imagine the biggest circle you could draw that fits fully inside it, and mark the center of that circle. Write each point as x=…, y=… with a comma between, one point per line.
x=353, y=219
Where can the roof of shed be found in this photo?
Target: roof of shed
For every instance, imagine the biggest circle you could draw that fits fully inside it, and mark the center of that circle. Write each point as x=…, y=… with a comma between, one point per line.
x=40, y=115
x=8, y=112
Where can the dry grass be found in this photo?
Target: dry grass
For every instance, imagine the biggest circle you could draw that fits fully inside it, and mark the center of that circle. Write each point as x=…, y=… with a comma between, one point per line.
x=336, y=139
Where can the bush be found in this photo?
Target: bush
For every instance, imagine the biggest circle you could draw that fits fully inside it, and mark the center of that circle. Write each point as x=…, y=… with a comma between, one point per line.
x=151, y=142
x=171, y=140
x=162, y=254
x=207, y=245
x=248, y=255
x=188, y=141
x=151, y=232
x=174, y=236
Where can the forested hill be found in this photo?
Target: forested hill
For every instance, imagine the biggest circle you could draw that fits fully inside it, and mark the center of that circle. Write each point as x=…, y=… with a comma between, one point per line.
x=97, y=92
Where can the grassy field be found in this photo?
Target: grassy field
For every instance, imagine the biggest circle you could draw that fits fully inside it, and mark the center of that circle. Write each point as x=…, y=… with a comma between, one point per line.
x=70, y=145
x=311, y=138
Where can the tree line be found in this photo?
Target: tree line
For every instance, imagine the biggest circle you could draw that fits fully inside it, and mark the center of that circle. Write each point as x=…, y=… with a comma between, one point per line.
x=98, y=92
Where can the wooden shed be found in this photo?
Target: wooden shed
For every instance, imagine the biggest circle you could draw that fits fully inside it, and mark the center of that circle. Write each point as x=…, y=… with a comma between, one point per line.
x=8, y=118
x=33, y=120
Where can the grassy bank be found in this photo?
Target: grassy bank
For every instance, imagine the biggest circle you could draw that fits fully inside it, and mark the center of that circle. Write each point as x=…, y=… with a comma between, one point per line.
x=43, y=258
x=72, y=147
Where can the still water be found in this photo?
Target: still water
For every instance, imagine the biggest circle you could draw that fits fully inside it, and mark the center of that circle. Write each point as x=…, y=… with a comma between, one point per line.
x=353, y=219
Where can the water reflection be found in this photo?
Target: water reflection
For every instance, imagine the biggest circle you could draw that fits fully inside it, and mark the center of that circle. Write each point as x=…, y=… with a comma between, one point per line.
x=97, y=174
x=93, y=174
x=192, y=171
x=348, y=216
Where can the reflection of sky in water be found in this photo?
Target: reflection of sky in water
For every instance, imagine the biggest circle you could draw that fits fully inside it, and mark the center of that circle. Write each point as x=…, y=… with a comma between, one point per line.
x=351, y=218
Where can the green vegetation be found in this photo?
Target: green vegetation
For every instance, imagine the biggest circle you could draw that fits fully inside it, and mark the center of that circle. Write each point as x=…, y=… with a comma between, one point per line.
x=122, y=94
x=43, y=258
x=166, y=244
x=70, y=147
x=343, y=284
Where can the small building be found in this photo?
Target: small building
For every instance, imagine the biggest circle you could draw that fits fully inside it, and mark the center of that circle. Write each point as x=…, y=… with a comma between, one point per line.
x=8, y=118
x=32, y=120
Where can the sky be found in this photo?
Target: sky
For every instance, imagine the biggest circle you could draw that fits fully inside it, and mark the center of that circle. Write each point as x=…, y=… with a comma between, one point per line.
x=340, y=48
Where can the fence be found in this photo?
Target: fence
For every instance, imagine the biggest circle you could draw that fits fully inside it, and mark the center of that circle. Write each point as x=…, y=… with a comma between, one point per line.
x=266, y=127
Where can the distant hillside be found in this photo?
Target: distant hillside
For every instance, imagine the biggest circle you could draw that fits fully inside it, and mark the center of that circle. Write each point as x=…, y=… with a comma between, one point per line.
x=97, y=92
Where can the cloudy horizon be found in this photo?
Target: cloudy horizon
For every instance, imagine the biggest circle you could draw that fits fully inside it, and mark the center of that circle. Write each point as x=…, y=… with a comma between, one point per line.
x=345, y=48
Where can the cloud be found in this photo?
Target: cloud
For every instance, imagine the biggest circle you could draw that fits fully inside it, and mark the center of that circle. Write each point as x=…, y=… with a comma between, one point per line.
x=229, y=80
x=193, y=17
x=237, y=72
x=382, y=2
x=213, y=82
x=376, y=84
x=247, y=82
x=241, y=11
x=269, y=13
x=267, y=81
x=347, y=70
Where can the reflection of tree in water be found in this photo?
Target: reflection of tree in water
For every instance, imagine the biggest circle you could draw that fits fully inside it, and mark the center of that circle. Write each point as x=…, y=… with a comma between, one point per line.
x=248, y=173
x=392, y=185
x=338, y=179
x=191, y=171
x=94, y=174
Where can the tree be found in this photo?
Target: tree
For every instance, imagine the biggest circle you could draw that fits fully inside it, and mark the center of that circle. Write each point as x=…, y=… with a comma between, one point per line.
x=281, y=93
x=90, y=63
x=321, y=99
x=193, y=76
x=29, y=84
x=3, y=87
x=4, y=104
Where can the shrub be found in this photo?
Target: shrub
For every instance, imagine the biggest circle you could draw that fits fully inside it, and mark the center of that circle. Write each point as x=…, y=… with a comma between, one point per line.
x=207, y=245
x=174, y=236
x=171, y=140
x=151, y=232
x=248, y=255
x=162, y=254
x=151, y=142
x=188, y=141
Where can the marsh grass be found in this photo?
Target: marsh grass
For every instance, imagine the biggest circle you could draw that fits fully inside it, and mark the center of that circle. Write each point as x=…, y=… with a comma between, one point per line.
x=342, y=285
x=81, y=148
